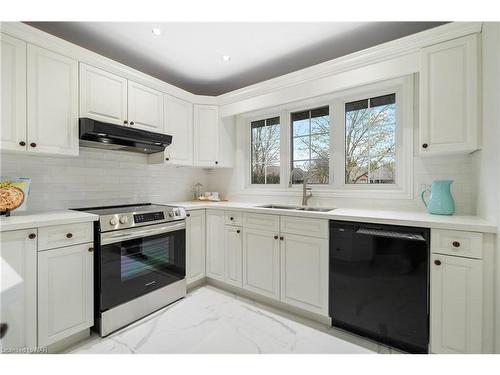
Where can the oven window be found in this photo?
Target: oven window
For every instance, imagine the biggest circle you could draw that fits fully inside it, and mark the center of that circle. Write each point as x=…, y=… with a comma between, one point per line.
x=134, y=267
x=143, y=256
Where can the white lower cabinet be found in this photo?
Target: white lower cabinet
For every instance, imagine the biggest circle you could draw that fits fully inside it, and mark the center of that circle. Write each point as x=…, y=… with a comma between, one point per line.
x=65, y=292
x=233, y=248
x=18, y=304
x=215, y=244
x=304, y=272
x=195, y=246
x=456, y=304
x=261, y=262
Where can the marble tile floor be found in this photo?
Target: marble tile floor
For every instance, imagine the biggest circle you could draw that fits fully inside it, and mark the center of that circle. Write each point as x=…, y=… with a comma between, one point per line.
x=210, y=320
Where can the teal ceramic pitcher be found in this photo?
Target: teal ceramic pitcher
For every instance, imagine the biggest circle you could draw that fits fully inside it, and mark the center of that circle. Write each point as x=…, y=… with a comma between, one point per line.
x=440, y=201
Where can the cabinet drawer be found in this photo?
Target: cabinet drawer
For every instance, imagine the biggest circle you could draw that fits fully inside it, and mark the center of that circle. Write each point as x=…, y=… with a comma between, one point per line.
x=64, y=235
x=261, y=221
x=452, y=242
x=304, y=226
x=233, y=218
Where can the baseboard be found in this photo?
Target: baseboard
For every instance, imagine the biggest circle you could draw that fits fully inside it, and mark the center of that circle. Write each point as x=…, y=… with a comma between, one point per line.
x=68, y=342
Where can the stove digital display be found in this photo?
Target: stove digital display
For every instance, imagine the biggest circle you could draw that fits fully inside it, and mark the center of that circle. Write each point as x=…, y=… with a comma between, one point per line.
x=144, y=218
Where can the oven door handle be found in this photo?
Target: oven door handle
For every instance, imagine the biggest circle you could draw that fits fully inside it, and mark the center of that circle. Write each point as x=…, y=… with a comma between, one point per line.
x=108, y=238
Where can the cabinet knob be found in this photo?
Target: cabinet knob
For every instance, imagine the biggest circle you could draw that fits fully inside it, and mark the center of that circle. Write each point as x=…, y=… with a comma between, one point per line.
x=91, y=249
x=455, y=244
x=282, y=238
x=69, y=235
x=188, y=215
x=167, y=159
x=238, y=231
x=125, y=122
x=275, y=237
x=437, y=262
x=22, y=143
x=425, y=145
x=231, y=218
x=216, y=162
x=33, y=144
x=131, y=123
x=31, y=236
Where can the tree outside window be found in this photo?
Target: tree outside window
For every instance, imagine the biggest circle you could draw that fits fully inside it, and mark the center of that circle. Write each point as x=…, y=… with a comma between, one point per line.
x=310, y=145
x=370, y=140
x=265, y=149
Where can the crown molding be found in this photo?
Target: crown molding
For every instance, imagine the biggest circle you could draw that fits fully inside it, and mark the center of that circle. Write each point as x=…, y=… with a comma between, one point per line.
x=373, y=55
x=379, y=53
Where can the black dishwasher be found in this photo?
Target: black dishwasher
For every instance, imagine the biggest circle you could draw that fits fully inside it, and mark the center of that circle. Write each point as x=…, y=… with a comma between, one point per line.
x=379, y=283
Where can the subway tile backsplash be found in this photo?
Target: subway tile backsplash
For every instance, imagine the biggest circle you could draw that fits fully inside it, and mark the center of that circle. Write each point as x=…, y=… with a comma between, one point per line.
x=100, y=177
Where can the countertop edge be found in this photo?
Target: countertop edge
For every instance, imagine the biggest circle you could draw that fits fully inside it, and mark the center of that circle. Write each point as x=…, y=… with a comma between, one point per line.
x=438, y=222
x=44, y=219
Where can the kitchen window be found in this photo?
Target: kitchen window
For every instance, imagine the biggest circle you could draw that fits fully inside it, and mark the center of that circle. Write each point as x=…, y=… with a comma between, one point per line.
x=310, y=145
x=265, y=151
x=370, y=140
x=354, y=143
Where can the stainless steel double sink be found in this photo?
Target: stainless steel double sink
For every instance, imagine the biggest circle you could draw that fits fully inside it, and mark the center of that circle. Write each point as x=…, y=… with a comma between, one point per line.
x=297, y=208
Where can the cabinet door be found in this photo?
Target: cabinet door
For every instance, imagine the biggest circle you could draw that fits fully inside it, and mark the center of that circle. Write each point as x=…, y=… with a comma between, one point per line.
x=52, y=102
x=261, y=258
x=145, y=107
x=206, y=135
x=449, y=97
x=178, y=122
x=456, y=304
x=65, y=292
x=304, y=272
x=18, y=303
x=103, y=95
x=233, y=255
x=13, y=93
x=215, y=244
x=195, y=245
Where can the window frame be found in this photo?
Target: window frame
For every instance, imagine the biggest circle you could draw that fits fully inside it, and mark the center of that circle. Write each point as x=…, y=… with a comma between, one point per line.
x=402, y=189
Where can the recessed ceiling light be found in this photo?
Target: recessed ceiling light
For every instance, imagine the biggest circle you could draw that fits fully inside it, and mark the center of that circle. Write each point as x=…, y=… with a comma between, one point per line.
x=156, y=31
x=226, y=58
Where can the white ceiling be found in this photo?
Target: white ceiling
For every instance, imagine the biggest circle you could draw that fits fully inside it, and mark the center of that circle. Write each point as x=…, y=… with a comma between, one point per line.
x=189, y=55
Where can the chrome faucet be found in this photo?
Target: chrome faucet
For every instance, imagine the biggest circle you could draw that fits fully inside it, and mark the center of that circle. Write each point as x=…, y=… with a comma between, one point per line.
x=306, y=191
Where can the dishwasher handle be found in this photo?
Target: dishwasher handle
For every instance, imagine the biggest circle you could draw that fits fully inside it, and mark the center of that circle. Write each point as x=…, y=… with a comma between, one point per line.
x=391, y=234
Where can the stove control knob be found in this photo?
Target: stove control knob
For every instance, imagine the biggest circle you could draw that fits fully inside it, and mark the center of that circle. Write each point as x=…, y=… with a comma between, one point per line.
x=123, y=220
x=171, y=214
x=113, y=221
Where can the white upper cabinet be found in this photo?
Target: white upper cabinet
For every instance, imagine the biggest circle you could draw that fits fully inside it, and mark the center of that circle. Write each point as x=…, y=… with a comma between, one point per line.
x=52, y=112
x=18, y=305
x=449, y=97
x=103, y=95
x=178, y=122
x=13, y=93
x=145, y=107
x=206, y=135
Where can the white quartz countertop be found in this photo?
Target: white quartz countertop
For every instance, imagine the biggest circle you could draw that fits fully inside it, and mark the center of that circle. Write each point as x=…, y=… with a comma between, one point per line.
x=406, y=218
x=33, y=219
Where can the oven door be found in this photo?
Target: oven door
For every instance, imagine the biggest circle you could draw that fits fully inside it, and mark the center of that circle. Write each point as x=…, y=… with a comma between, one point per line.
x=133, y=262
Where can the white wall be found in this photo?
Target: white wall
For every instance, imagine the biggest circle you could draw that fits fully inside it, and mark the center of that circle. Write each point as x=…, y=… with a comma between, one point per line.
x=100, y=177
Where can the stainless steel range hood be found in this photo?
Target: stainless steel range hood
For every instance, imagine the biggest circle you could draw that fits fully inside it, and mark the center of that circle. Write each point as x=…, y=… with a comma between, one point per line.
x=103, y=135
